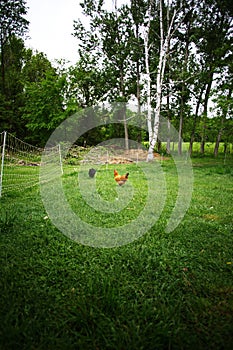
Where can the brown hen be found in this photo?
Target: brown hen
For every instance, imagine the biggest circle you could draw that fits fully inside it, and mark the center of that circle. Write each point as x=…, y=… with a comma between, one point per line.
x=120, y=179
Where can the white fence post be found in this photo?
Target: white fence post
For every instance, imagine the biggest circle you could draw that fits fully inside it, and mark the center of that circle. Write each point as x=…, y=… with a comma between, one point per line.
x=2, y=161
x=59, y=149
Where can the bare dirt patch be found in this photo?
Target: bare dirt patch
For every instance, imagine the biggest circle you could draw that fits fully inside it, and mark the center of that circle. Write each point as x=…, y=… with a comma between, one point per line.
x=119, y=156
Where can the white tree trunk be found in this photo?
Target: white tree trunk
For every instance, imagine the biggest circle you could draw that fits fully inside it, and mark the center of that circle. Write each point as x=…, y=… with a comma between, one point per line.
x=155, y=128
x=164, y=45
x=148, y=78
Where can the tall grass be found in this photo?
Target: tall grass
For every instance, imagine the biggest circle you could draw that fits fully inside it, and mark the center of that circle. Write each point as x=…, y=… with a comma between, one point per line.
x=163, y=291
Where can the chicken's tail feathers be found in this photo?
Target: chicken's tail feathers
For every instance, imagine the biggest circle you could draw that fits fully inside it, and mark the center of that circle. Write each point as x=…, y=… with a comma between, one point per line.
x=126, y=175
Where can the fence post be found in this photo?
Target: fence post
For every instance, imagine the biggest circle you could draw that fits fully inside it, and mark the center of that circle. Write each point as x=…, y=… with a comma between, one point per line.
x=2, y=161
x=59, y=150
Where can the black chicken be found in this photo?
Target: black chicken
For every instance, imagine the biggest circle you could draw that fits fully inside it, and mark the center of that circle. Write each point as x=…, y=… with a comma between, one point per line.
x=92, y=172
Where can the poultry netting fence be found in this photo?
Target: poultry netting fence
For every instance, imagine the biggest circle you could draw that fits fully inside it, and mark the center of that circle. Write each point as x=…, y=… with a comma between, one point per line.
x=20, y=163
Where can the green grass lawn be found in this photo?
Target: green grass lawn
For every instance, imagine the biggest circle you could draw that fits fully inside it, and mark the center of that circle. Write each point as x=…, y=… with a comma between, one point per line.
x=163, y=291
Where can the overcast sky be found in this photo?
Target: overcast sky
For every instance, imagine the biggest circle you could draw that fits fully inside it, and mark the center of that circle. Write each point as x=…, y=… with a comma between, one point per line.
x=51, y=26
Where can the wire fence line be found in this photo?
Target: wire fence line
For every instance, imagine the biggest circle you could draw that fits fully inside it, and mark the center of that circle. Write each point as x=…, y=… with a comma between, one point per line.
x=21, y=162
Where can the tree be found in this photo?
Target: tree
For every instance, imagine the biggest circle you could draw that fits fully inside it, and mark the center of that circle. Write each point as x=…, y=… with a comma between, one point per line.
x=35, y=67
x=165, y=36
x=225, y=108
x=86, y=84
x=138, y=11
x=12, y=22
x=44, y=98
x=167, y=53
x=213, y=42
x=12, y=99
x=109, y=41
x=183, y=73
x=13, y=26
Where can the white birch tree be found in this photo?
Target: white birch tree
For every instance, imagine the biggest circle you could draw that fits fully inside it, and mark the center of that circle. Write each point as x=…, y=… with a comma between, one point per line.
x=147, y=75
x=165, y=37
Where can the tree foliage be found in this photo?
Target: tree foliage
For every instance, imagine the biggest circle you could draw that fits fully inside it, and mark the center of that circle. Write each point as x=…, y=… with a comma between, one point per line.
x=44, y=106
x=13, y=26
x=12, y=23
x=174, y=57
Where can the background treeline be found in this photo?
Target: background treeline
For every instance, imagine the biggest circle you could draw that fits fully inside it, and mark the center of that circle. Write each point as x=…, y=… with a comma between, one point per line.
x=36, y=95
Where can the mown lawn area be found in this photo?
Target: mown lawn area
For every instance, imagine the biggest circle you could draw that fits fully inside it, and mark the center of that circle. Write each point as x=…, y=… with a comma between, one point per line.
x=162, y=291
